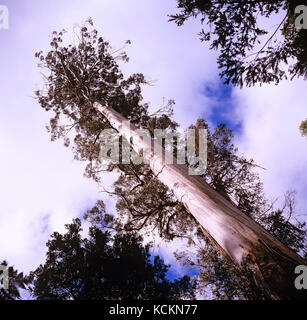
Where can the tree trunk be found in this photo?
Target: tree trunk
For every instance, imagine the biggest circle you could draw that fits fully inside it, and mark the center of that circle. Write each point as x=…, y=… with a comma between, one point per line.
x=245, y=241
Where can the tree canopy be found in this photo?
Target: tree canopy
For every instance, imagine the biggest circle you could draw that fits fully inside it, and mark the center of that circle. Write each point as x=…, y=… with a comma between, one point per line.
x=222, y=276
x=249, y=54
x=103, y=267
x=144, y=204
x=81, y=74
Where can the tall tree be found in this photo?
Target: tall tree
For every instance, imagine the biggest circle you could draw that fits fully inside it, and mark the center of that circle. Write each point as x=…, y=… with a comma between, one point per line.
x=86, y=86
x=144, y=203
x=103, y=267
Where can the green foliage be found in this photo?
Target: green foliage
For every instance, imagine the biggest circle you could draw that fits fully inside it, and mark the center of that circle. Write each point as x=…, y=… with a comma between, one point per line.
x=103, y=267
x=222, y=278
x=229, y=173
x=278, y=223
x=219, y=278
x=88, y=72
x=233, y=29
x=78, y=75
x=144, y=204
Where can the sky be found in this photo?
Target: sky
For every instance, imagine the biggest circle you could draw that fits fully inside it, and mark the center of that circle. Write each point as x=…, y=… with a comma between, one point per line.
x=42, y=187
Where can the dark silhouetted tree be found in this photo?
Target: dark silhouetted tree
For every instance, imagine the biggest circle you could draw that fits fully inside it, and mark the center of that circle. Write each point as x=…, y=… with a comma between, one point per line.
x=17, y=281
x=103, y=267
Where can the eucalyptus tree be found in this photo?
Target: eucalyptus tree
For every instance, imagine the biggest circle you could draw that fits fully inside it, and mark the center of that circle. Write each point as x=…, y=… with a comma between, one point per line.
x=88, y=93
x=143, y=203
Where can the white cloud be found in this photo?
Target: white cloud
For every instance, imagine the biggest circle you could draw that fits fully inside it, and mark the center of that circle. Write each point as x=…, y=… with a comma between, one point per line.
x=271, y=116
x=41, y=187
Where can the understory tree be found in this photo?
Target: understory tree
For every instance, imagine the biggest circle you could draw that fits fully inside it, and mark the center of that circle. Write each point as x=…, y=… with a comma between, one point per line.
x=103, y=266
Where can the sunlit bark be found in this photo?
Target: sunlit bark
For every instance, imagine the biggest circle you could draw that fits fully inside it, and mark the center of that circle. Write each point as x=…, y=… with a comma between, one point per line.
x=241, y=238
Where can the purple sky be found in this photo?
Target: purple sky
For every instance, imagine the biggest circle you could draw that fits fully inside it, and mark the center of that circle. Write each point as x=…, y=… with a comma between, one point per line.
x=42, y=188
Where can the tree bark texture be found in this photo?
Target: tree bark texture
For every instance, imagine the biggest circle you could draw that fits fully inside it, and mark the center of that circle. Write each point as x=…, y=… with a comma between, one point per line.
x=244, y=241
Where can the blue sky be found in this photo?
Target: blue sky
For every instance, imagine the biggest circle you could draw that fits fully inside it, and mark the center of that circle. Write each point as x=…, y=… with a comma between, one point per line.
x=42, y=187
x=222, y=106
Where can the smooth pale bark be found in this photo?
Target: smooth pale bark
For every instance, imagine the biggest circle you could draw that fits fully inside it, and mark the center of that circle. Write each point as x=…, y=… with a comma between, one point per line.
x=241, y=238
